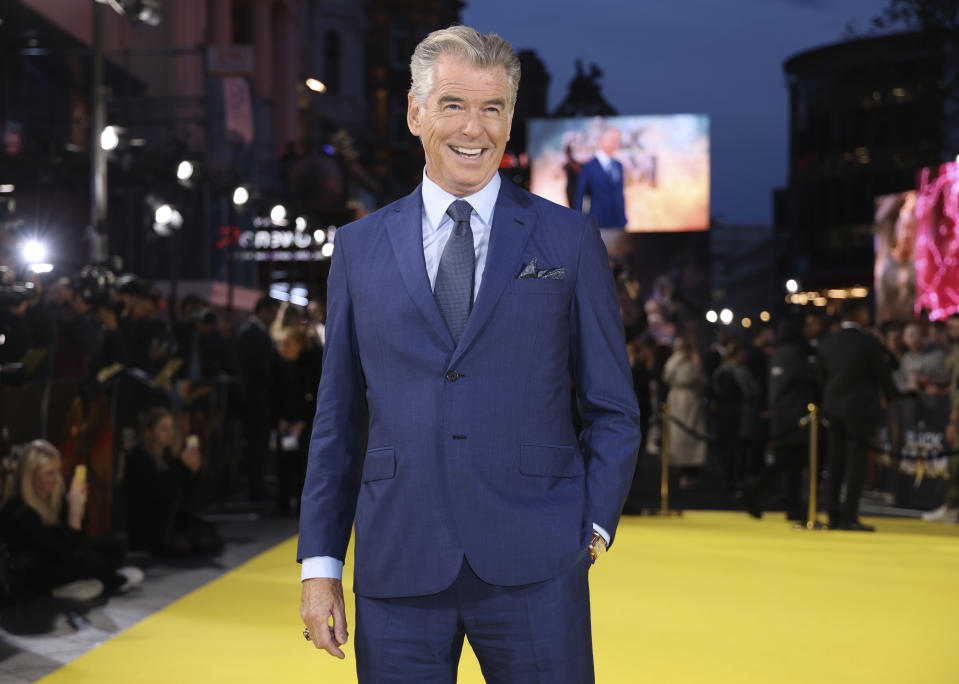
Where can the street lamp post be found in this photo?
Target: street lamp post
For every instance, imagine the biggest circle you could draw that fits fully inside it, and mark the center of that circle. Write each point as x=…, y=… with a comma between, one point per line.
x=185, y=175
x=147, y=12
x=239, y=198
x=98, y=156
x=174, y=245
x=229, y=256
x=167, y=222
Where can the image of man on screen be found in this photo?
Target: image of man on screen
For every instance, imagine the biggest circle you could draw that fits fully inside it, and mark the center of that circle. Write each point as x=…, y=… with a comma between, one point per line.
x=601, y=180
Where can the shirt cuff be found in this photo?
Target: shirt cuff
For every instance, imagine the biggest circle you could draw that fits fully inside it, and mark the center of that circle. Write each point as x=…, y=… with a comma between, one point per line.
x=321, y=566
x=327, y=566
x=602, y=533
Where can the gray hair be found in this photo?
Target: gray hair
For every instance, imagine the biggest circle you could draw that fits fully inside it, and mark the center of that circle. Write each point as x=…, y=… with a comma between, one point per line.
x=480, y=50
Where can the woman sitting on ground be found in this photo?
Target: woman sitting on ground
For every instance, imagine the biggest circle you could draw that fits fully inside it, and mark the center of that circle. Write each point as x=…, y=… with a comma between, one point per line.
x=158, y=488
x=42, y=525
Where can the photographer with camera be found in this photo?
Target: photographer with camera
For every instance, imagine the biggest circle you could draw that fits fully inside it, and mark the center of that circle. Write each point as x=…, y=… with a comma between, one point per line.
x=86, y=337
x=199, y=342
x=97, y=301
x=149, y=340
x=17, y=301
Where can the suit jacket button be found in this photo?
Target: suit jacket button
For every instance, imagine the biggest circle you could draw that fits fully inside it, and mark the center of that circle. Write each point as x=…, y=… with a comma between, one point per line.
x=452, y=376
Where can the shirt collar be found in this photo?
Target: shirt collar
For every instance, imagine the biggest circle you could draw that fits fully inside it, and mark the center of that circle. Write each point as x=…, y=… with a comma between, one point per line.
x=436, y=200
x=850, y=324
x=604, y=159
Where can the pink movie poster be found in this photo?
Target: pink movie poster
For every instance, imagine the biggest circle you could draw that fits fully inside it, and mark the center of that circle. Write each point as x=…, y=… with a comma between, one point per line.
x=895, y=267
x=937, y=241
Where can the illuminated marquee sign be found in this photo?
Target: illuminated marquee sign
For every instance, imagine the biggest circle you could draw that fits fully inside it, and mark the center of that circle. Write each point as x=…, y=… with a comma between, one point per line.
x=276, y=239
x=284, y=245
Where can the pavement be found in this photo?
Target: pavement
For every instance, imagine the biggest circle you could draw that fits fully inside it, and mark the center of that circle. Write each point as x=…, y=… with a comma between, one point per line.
x=39, y=636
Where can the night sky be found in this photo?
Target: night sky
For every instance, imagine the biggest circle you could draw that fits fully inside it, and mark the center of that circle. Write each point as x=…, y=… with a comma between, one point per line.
x=719, y=57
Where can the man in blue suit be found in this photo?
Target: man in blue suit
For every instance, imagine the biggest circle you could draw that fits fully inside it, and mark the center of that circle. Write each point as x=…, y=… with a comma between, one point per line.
x=601, y=179
x=457, y=317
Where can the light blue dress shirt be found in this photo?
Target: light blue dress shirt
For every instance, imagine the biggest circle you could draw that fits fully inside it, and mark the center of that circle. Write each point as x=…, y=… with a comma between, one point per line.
x=437, y=226
x=436, y=231
x=608, y=166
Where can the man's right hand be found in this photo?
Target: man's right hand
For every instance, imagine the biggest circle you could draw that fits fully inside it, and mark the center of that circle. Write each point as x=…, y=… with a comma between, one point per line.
x=321, y=598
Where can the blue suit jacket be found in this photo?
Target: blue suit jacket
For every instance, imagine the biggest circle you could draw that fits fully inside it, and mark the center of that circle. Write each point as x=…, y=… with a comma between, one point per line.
x=606, y=201
x=438, y=451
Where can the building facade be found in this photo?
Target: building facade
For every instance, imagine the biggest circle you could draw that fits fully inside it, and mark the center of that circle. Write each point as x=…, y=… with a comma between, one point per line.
x=395, y=28
x=865, y=116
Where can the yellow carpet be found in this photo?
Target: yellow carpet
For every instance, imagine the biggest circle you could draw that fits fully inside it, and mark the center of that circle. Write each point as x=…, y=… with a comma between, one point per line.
x=709, y=597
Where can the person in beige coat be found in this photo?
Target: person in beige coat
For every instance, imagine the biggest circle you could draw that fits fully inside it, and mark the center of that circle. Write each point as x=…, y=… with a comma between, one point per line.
x=684, y=376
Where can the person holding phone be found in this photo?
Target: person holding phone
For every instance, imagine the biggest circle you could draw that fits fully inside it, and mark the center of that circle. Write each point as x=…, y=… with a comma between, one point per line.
x=158, y=490
x=295, y=377
x=42, y=525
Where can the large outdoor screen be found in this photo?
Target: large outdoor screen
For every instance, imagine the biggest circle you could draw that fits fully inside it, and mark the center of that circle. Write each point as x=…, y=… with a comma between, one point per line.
x=640, y=173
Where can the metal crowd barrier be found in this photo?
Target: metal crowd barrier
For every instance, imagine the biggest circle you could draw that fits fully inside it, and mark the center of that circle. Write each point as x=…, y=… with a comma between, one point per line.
x=913, y=452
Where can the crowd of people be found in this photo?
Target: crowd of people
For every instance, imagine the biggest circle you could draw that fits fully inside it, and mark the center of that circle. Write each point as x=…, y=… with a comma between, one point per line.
x=740, y=399
x=718, y=394
x=736, y=399
x=91, y=332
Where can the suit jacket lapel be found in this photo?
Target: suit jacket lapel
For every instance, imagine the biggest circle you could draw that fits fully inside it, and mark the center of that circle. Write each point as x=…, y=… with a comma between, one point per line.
x=513, y=221
x=405, y=228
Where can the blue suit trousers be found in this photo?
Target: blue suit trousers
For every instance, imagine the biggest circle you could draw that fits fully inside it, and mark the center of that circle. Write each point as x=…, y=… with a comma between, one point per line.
x=528, y=634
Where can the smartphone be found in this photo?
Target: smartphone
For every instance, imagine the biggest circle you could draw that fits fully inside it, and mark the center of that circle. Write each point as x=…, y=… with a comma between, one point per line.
x=80, y=474
x=192, y=442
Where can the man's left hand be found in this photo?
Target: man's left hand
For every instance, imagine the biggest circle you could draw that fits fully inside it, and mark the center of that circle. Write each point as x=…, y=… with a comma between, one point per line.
x=597, y=546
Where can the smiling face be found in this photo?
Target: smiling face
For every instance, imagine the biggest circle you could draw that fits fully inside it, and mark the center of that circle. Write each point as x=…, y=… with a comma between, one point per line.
x=464, y=124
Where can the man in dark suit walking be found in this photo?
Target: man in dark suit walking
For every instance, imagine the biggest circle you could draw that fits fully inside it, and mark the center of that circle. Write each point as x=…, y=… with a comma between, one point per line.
x=854, y=374
x=793, y=386
x=254, y=353
x=601, y=180
x=458, y=317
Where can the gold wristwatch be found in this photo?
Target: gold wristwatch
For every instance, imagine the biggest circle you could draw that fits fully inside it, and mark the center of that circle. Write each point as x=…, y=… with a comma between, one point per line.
x=597, y=546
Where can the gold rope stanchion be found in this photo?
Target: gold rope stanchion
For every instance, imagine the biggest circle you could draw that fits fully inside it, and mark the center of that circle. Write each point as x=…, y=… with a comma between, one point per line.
x=813, y=419
x=664, y=477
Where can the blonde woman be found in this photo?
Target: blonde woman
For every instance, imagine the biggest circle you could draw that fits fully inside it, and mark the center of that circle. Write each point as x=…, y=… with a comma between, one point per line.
x=43, y=526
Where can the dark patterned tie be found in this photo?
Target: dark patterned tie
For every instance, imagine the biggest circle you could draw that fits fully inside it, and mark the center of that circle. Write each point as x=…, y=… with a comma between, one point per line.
x=613, y=172
x=453, y=289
